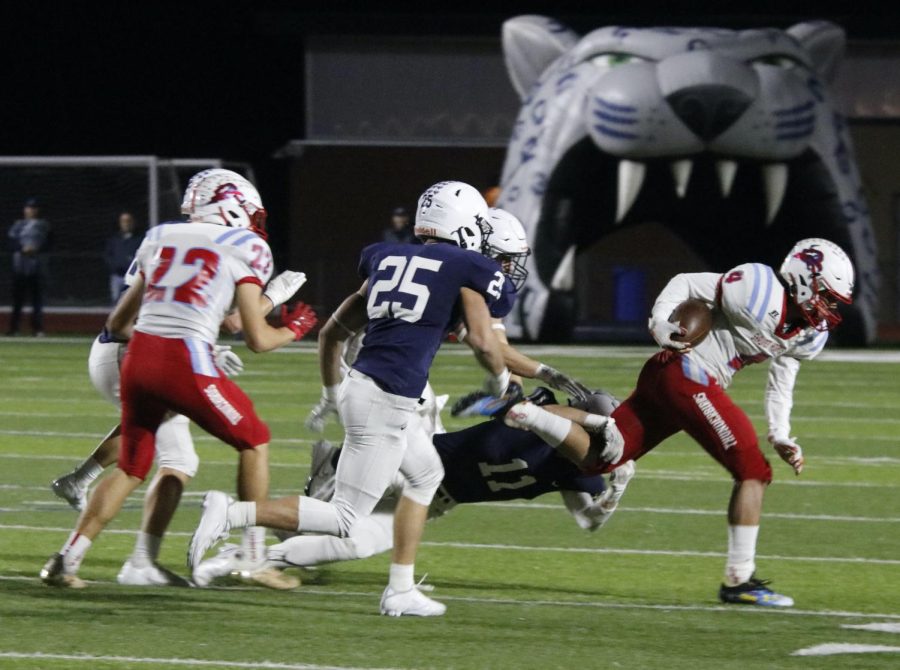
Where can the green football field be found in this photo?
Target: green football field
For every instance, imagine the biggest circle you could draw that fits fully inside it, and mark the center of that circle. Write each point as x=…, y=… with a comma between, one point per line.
x=525, y=587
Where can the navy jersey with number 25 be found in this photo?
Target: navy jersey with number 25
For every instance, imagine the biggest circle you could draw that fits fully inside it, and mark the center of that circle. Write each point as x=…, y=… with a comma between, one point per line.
x=412, y=300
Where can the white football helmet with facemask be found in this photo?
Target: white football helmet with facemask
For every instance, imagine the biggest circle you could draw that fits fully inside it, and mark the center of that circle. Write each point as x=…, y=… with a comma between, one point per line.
x=506, y=242
x=451, y=211
x=225, y=198
x=819, y=273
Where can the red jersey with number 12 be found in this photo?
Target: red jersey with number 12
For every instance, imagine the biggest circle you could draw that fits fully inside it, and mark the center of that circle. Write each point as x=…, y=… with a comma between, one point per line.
x=190, y=273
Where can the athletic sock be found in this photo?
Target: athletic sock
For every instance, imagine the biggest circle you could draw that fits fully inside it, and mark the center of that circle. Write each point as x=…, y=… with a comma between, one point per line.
x=146, y=550
x=73, y=552
x=254, y=543
x=87, y=472
x=241, y=514
x=741, y=554
x=551, y=428
x=401, y=577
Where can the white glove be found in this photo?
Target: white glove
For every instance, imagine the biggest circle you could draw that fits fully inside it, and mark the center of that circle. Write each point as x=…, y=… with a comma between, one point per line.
x=561, y=382
x=227, y=361
x=662, y=332
x=790, y=452
x=496, y=385
x=613, y=442
x=327, y=404
x=282, y=287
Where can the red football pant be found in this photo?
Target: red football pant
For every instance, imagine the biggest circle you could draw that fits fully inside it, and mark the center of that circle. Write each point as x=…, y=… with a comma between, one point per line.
x=667, y=401
x=159, y=375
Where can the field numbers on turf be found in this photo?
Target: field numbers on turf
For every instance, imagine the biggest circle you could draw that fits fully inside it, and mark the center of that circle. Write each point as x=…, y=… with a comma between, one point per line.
x=384, y=295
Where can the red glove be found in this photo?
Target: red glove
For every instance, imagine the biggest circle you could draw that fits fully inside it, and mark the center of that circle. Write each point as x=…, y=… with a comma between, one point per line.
x=301, y=319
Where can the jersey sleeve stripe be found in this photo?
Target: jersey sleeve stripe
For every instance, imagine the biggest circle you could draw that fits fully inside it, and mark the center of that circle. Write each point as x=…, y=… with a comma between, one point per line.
x=246, y=238
x=201, y=359
x=762, y=276
x=230, y=233
x=249, y=279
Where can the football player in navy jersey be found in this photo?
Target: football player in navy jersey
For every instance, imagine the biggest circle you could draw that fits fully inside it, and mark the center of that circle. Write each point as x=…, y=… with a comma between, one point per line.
x=487, y=462
x=411, y=296
x=505, y=241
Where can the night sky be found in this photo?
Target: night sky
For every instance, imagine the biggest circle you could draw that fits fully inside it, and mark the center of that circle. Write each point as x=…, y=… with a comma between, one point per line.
x=226, y=79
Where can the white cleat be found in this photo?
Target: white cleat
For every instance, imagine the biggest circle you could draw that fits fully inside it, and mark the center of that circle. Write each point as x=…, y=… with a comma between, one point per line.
x=410, y=603
x=231, y=562
x=213, y=526
x=67, y=488
x=52, y=574
x=149, y=575
x=221, y=565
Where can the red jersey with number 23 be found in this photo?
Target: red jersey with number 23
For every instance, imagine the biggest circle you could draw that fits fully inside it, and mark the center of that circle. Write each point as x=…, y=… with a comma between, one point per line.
x=190, y=273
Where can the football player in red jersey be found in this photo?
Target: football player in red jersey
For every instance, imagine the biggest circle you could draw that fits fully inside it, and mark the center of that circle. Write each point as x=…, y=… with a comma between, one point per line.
x=758, y=314
x=190, y=274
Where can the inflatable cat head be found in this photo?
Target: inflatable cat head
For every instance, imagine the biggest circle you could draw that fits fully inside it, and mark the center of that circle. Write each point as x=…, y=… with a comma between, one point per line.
x=727, y=137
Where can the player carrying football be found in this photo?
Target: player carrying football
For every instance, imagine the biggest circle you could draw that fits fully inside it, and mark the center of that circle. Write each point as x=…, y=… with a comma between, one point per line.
x=758, y=315
x=190, y=274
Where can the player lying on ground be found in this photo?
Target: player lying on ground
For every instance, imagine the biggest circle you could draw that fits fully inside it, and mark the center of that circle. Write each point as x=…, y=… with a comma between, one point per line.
x=177, y=460
x=487, y=462
x=758, y=315
x=193, y=272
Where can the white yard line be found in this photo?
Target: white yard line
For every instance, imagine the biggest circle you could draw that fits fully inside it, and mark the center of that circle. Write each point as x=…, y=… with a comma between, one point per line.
x=835, y=648
x=877, y=627
x=192, y=662
x=855, y=560
x=562, y=603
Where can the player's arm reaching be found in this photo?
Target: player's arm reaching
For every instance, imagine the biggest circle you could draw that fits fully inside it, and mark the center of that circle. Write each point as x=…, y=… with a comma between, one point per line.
x=349, y=318
x=483, y=342
x=779, y=400
x=700, y=285
x=592, y=512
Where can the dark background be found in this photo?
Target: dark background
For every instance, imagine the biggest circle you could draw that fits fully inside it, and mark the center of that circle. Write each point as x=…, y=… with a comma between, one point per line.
x=226, y=80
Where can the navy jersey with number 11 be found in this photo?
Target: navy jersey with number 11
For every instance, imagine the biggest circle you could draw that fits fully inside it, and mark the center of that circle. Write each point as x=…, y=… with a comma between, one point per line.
x=412, y=300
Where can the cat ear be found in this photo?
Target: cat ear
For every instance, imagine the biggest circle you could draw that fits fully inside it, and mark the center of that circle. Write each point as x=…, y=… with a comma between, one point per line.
x=824, y=41
x=530, y=44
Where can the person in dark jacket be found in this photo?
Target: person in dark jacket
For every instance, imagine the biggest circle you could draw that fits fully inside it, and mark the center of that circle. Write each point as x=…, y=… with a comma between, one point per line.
x=118, y=254
x=29, y=238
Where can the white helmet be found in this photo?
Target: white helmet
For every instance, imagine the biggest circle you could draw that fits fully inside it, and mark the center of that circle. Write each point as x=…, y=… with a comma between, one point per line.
x=226, y=198
x=452, y=211
x=818, y=272
x=505, y=241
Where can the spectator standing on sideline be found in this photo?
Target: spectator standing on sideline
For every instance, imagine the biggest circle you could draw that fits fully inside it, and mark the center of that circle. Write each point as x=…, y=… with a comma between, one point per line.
x=118, y=254
x=400, y=229
x=29, y=238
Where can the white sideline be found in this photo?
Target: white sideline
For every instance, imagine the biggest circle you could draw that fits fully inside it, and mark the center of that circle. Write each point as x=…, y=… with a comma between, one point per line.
x=561, y=603
x=834, y=648
x=193, y=662
x=857, y=560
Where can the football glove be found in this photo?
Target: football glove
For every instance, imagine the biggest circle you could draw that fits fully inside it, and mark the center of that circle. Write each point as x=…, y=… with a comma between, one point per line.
x=496, y=385
x=326, y=406
x=227, y=361
x=285, y=285
x=561, y=382
x=611, y=446
x=301, y=319
x=479, y=403
x=790, y=452
x=662, y=332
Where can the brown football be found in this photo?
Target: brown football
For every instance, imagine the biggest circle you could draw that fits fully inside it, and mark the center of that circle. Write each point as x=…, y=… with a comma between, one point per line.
x=695, y=317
